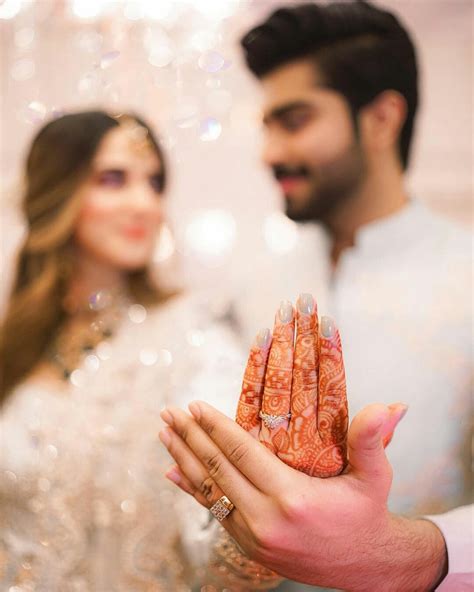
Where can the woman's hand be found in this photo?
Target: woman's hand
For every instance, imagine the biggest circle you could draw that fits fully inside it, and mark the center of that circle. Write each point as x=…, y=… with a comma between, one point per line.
x=293, y=395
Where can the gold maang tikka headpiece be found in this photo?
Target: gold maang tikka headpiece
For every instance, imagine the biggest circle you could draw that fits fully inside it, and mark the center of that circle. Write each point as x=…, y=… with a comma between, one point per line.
x=139, y=136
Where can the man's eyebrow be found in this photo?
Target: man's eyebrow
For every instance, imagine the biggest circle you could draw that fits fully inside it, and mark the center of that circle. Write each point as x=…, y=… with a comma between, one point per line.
x=279, y=112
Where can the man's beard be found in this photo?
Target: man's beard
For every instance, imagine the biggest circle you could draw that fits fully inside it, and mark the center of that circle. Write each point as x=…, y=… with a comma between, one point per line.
x=332, y=186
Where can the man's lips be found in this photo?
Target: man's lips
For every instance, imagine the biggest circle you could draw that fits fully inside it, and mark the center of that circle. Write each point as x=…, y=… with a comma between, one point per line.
x=291, y=182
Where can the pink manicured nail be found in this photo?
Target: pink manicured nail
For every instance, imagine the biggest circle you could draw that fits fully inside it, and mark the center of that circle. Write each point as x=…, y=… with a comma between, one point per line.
x=165, y=437
x=173, y=475
x=166, y=417
x=195, y=410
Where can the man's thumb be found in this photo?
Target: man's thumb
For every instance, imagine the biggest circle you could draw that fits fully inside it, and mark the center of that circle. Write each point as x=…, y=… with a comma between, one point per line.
x=367, y=437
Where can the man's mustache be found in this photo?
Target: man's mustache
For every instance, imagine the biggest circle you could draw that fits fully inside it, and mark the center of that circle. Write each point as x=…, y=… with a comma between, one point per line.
x=282, y=171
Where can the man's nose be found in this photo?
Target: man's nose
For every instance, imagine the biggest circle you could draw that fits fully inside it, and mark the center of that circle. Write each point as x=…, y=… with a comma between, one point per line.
x=274, y=150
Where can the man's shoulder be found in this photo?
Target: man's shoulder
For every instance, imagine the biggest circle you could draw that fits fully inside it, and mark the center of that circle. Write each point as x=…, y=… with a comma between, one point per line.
x=448, y=235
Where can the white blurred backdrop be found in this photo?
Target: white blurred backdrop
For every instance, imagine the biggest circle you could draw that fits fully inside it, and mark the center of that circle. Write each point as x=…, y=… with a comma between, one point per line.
x=178, y=64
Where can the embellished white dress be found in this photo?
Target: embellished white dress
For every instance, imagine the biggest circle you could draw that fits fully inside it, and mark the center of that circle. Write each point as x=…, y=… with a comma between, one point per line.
x=84, y=505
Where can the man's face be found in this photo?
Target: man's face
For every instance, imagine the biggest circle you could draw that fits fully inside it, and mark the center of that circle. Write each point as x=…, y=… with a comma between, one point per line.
x=310, y=142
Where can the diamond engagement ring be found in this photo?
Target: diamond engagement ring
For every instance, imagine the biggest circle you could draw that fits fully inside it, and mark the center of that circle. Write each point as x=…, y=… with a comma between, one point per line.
x=222, y=508
x=273, y=421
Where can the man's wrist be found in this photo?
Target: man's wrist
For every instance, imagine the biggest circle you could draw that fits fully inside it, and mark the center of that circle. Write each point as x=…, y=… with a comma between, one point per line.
x=418, y=554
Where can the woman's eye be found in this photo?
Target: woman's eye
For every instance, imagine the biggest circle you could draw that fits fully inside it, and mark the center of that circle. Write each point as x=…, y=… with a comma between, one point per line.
x=112, y=178
x=157, y=182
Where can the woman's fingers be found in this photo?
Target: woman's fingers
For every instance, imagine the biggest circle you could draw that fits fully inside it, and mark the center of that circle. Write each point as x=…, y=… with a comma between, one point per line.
x=278, y=379
x=332, y=398
x=250, y=401
x=302, y=429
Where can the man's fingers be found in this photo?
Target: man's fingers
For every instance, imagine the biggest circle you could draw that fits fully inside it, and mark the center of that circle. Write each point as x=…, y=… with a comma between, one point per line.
x=216, y=467
x=278, y=379
x=250, y=401
x=366, y=451
x=197, y=480
x=332, y=397
x=262, y=469
x=176, y=476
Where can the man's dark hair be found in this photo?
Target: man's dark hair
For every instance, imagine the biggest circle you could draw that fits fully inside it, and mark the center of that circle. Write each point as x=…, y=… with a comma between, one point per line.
x=359, y=49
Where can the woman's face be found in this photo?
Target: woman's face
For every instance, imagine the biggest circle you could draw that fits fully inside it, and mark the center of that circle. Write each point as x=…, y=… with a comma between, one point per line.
x=121, y=202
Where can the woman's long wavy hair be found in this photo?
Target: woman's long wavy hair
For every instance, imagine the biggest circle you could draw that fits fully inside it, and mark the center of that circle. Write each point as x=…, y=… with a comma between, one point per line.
x=58, y=162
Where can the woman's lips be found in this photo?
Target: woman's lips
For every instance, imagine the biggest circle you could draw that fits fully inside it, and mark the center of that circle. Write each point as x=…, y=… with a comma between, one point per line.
x=135, y=232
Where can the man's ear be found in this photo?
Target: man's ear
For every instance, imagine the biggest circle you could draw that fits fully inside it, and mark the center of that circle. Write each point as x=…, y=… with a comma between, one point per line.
x=381, y=121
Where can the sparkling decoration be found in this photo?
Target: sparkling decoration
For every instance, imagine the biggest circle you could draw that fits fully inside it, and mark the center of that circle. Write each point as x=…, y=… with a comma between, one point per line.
x=165, y=358
x=148, y=357
x=88, y=9
x=35, y=112
x=211, y=234
x=280, y=233
x=203, y=41
x=78, y=378
x=23, y=69
x=211, y=61
x=108, y=58
x=137, y=313
x=161, y=56
x=10, y=8
x=216, y=10
x=100, y=300
x=91, y=363
x=209, y=129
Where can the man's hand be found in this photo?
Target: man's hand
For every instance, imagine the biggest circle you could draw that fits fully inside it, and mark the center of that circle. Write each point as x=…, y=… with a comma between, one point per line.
x=334, y=532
